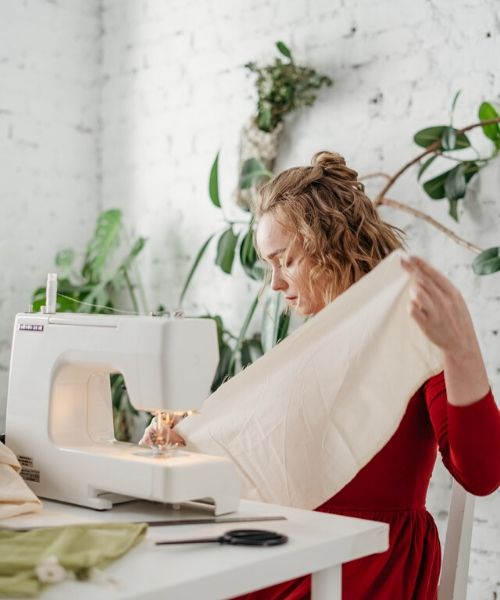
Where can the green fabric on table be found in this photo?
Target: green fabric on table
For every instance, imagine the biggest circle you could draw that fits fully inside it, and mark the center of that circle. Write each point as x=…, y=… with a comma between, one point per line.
x=78, y=548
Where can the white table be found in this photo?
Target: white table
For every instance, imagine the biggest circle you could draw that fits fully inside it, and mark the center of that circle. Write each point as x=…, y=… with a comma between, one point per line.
x=318, y=543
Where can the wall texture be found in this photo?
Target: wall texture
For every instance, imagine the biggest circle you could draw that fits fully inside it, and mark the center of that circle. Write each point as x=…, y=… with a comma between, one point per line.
x=173, y=91
x=49, y=99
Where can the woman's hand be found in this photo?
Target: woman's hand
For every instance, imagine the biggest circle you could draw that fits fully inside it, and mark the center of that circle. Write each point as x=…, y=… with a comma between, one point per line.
x=168, y=435
x=440, y=311
x=439, y=308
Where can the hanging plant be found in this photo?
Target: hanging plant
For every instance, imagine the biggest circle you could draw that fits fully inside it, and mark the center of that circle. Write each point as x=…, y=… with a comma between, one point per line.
x=282, y=87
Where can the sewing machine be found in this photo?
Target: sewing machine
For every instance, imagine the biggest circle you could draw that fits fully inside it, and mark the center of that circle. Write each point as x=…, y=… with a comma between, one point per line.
x=59, y=408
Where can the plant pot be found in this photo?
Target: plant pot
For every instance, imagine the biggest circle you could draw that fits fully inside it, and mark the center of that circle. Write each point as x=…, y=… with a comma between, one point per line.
x=255, y=143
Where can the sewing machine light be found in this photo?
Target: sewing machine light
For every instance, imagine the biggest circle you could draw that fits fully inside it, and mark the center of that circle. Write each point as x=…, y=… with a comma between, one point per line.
x=160, y=436
x=164, y=423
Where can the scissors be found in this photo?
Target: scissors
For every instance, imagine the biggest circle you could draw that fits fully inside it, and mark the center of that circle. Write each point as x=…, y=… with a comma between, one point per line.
x=239, y=537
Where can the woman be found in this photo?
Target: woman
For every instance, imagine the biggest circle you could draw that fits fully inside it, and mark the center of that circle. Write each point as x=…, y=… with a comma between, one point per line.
x=319, y=233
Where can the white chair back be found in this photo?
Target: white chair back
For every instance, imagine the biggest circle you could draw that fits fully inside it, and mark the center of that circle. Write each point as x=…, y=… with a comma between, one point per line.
x=455, y=567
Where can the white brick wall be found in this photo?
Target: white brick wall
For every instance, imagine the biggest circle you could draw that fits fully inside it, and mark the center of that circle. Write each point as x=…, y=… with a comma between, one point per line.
x=173, y=91
x=49, y=97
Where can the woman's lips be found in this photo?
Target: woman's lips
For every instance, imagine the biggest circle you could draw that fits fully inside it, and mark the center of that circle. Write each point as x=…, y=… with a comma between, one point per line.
x=291, y=298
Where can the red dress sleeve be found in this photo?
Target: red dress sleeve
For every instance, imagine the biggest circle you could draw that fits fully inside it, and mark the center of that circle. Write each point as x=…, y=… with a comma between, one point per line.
x=468, y=437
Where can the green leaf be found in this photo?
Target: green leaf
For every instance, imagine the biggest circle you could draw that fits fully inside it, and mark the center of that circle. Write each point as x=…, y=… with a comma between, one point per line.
x=426, y=137
x=487, y=262
x=430, y=135
x=455, y=184
x=471, y=168
x=284, y=50
x=121, y=276
x=65, y=259
x=90, y=297
x=435, y=187
x=213, y=182
x=223, y=372
x=453, y=209
x=226, y=247
x=64, y=304
x=96, y=301
x=486, y=112
x=249, y=258
x=253, y=171
x=196, y=262
x=454, y=103
x=425, y=166
x=104, y=241
x=117, y=384
x=251, y=350
x=448, y=139
x=248, y=254
x=131, y=256
x=265, y=119
x=38, y=299
x=283, y=326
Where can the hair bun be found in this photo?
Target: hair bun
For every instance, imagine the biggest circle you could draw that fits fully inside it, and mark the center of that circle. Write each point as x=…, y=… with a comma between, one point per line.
x=329, y=161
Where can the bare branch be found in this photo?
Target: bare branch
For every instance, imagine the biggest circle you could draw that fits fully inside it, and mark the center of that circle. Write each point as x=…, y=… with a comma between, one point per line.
x=374, y=175
x=428, y=219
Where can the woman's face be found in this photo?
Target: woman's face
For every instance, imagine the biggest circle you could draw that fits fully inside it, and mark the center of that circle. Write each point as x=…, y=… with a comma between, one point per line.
x=291, y=279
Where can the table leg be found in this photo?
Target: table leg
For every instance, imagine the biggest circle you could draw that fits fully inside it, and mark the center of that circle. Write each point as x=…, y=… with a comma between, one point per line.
x=326, y=584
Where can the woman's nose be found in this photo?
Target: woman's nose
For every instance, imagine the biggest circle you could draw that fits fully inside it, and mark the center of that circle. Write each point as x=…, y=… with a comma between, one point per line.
x=277, y=282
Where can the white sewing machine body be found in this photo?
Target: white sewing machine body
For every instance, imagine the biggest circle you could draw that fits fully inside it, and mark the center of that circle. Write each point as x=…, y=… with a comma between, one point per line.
x=59, y=408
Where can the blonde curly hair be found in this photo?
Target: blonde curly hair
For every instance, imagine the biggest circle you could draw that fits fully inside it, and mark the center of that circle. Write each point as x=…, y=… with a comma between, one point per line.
x=324, y=208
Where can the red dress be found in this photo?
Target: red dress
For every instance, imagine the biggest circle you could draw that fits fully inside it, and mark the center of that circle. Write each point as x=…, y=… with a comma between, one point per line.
x=392, y=488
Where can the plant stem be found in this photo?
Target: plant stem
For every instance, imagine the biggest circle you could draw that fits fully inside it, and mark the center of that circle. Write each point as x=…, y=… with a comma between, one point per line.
x=374, y=175
x=238, y=222
x=130, y=288
x=243, y=331
x=137, y=276
x=428, y=219
x=140, y=286
x=429, y=150
x=229, y=334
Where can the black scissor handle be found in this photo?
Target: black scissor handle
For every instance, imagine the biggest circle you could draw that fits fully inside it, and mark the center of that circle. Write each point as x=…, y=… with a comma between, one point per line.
x=253, y=537
x=238, y=537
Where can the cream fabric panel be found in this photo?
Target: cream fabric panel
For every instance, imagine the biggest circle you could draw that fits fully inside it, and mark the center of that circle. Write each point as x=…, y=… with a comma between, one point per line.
x=302, y=420
x=16, y=498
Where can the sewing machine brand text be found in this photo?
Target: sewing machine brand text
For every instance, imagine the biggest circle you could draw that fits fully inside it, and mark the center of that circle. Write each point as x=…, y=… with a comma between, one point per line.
x=30, y=327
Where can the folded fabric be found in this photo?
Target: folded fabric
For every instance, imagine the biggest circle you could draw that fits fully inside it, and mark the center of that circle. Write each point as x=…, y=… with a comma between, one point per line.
x=75, y=548
x=16, y=498
x=301, y=421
